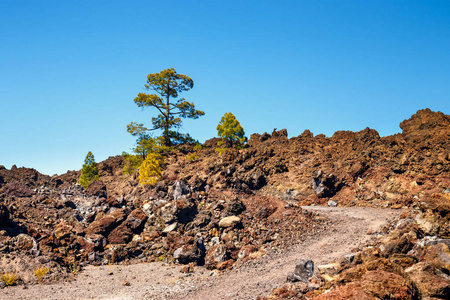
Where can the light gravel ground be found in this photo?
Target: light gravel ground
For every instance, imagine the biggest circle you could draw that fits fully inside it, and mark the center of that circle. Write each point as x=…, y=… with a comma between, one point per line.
x=257, y=277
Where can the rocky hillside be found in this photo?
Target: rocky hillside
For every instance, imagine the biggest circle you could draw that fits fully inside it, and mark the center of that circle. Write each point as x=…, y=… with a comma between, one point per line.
x=219, y=210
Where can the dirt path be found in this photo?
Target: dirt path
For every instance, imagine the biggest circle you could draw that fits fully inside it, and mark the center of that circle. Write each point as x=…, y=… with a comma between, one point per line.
x=257, y=277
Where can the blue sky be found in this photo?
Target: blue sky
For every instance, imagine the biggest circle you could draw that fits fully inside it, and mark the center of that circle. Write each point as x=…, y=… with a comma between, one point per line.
x=69, y=70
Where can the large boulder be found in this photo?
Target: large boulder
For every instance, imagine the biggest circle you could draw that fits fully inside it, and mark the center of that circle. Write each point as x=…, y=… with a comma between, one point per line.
x=135, y=219
x=62, y=230
x=384, y=285
x=430, y=281
x=424, y=120
x=324, y=185
x=96, y=188
x=124, y=232
x=187, y=254
x=107, y=223
x=120, y=235
x=376, y=284
x=24, y=242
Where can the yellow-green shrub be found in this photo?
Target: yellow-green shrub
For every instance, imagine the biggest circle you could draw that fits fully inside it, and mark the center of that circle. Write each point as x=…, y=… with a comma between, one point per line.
x=221, y=150
x=10, y=278
x=40, y=272
x=150, y=170
x=192, y=156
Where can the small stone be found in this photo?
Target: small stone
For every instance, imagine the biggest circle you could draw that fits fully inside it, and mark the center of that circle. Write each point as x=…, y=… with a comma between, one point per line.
x=188, y=268
x=330, y=269
x=230, y=221
x=126, y=283
x=170, y=228
x=350, y=257
x=332, y=203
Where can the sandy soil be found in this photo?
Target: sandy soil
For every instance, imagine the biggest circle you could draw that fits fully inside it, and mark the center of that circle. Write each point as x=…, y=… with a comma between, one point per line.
x=256, y=277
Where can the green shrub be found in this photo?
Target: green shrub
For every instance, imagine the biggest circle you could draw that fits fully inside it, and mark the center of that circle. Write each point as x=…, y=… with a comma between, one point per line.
x=132, y=162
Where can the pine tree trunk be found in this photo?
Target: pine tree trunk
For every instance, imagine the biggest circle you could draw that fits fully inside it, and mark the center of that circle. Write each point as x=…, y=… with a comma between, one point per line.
x=166, y=126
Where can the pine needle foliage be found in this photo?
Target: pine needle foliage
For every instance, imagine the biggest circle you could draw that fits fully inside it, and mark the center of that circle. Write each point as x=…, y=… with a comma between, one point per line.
x=89, y=171
x=132, y=162
x=144, y=146
x=150, y=170
x=167, y=84
x=231, y=131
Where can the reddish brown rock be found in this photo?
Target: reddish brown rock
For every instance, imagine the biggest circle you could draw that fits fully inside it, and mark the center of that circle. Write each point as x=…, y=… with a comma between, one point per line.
x=85, y=244
x=106, y=223
x=374, y=285
x=385, y=285
x=246, y=250
x=136, y=219
x=216, y=255
x=124, y=232
x=96, y=188
x=430, y=281
x=120, y=235
x=62, y=230
x=350, y=291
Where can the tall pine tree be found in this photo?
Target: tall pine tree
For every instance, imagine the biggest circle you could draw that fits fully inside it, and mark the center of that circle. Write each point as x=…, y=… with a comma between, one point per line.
x=167, y=84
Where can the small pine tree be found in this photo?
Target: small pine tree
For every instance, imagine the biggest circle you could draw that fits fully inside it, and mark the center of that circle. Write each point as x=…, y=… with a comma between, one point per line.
x=132, y=162
x=150, y=170
x=89, y=171
x=231, y=131
x=145, y=145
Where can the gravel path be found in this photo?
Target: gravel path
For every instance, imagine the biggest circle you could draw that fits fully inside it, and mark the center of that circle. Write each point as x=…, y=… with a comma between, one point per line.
x=257, y=277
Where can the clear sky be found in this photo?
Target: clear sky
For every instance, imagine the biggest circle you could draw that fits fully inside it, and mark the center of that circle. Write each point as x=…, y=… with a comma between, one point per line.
x=69, y=70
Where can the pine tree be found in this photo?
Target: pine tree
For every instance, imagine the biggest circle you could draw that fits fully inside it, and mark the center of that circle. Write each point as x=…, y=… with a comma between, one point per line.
x=231, y=131
x=167, y=84
x=89, y=171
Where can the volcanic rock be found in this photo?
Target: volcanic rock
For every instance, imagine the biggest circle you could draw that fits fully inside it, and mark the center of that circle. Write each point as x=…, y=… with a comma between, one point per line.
x=216, y=255
x=187, y=254
x=4, y=215
x=106, y=223
x=230, y=221
x=430, y=281
x=302, y=272
x=96, y=188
